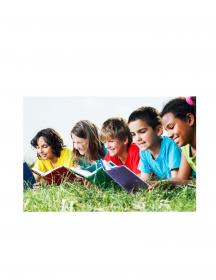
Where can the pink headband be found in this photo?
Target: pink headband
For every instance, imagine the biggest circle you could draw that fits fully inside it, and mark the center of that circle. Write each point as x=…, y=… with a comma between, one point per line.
x=189, y=100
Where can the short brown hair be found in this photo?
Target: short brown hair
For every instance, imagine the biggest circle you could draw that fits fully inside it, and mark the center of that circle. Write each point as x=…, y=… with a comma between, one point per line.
x=115, y=128
x=149, y=115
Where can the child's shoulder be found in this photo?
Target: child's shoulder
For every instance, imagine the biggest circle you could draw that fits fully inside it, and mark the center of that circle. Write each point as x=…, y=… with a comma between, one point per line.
x=166, y=141
x=134, y=148
x=186, y=149
x=42, y=164
x=66, y=150
x=169, y=147
x=66, y=153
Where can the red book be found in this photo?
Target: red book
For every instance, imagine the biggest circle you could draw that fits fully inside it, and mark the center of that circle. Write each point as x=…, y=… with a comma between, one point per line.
x=57, y=175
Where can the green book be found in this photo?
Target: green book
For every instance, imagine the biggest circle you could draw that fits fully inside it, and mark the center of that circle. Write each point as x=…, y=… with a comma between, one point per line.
x=97, y=177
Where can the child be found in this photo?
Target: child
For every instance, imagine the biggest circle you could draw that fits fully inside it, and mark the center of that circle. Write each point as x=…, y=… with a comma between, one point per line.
x=179, y=120
x=51, y=151
x=159, y=155
x=117, y=138
x=87, y=148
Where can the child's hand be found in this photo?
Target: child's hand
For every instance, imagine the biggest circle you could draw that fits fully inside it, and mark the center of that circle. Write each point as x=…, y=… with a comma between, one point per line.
x=78, y=179
x=152, y=185
x=81, y=180
x=36, y=186
x=164, y=184
x=86, y=183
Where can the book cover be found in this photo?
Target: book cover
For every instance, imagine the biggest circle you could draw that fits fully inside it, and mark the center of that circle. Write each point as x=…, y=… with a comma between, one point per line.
x=57, y=175
x=28, y=178
x=97, y=177
x=124, y=177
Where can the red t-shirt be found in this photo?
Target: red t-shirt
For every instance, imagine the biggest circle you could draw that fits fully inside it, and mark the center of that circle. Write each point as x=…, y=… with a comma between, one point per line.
x=132, y=160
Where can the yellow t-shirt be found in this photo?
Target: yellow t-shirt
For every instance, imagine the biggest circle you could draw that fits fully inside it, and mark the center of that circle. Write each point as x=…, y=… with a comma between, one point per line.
x=65, y=159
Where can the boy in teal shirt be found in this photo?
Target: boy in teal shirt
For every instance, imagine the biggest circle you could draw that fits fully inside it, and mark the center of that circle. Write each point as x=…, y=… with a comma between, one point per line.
x=159, y=155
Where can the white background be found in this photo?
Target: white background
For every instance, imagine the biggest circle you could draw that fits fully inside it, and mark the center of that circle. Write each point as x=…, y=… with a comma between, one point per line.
x=119, y=48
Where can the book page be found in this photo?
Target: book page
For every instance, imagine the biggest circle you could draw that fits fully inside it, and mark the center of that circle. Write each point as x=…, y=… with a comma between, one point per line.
x=49, y=171
x=36, y=171
x=81, y=172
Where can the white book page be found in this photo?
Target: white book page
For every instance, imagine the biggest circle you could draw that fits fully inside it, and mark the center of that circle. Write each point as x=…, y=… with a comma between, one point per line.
x=47, y=172
x=36, y=171
x=82, y=172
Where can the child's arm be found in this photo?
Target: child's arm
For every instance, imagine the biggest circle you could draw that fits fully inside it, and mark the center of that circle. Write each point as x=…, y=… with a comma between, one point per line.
x=37, y=177
x=171, y=183
x=184, y=169
x=174, y=173
x=178, y=177
x=174, y=159
x=183, y=173
x=144, y=168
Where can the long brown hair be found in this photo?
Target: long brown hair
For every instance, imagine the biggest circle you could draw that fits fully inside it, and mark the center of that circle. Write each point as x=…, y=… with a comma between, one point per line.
x=87, y=130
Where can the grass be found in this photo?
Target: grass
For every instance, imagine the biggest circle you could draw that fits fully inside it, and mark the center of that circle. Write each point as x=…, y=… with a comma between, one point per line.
x=76, y=197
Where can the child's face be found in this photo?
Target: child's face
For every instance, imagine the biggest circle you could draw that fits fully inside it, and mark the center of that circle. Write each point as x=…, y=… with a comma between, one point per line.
x=179, y=130
x=144, y=136
x=44, y=150
x=80, y=144
x=115, y=146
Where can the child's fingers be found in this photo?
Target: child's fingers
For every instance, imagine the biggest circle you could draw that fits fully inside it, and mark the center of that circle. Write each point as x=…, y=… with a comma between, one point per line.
x=78, y=179
x=36, y=186
x=86, y=183
x=152, y=184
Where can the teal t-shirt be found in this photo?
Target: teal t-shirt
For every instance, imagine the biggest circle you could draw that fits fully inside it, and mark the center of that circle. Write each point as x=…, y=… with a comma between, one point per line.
x=168, y=159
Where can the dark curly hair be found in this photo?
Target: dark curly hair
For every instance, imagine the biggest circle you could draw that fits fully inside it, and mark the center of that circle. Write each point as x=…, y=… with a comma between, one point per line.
x=87, y=130
x=148, y=114
x=180, y=107
x=52, y=138
x=115, y=128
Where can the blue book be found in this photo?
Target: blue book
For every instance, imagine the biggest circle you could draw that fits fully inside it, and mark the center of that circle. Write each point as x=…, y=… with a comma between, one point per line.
x=124, y=177
x=28, y=178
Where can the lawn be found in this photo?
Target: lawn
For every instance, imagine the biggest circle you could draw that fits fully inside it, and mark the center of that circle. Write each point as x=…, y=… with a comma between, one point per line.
x=76, y=197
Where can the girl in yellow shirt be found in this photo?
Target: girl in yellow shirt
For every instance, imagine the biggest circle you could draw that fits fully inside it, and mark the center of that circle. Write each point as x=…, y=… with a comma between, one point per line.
x=51, y=151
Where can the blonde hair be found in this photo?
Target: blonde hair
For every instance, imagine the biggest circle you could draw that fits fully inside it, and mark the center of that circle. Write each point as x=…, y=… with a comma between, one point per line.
x=115, y=128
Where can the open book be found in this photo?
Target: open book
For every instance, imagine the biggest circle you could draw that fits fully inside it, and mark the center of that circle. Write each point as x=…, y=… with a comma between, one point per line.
x=56, y=175
x=102, y=176
x=94, y=174
x=124, y=177
x=109, y=173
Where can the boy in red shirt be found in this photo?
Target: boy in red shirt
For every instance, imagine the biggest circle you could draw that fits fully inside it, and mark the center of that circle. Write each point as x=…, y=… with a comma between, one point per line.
x=117, y=138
